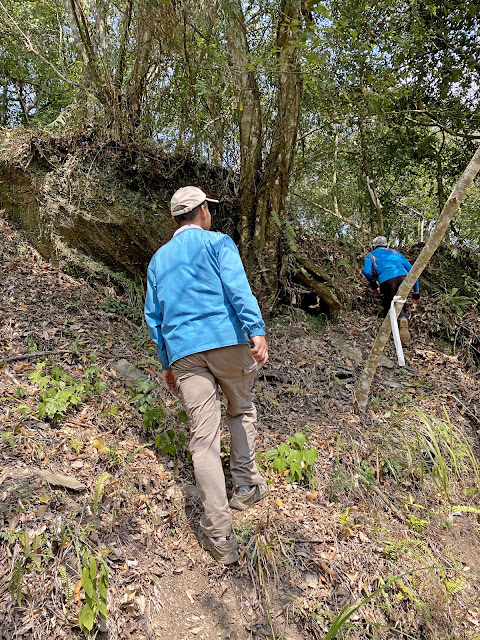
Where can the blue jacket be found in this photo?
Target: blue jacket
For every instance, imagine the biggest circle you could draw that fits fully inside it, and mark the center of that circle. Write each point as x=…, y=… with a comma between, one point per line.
x=383, y=264
x=198, y=296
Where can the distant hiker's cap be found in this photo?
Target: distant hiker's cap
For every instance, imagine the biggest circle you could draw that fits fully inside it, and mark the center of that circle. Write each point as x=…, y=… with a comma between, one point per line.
x=186, y=199
x=380, y=241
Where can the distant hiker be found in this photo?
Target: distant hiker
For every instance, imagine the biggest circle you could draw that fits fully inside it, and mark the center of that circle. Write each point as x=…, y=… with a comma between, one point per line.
x=389, y=267
x=209, y=333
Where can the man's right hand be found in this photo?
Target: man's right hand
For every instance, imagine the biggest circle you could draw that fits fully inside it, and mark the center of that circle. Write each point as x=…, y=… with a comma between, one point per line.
x=169, y=382
x=259, y=350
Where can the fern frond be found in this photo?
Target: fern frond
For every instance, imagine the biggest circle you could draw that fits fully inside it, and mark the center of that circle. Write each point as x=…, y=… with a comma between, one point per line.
x=16, y=578
x=453, y=586
x=67, y=584
x=8, y=536
x=99, y=489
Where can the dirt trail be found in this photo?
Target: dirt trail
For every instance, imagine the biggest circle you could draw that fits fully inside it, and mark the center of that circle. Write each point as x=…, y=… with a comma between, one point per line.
x=372, y=513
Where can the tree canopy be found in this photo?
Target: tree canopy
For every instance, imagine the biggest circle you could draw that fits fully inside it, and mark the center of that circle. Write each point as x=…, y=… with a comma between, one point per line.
x=348, y=118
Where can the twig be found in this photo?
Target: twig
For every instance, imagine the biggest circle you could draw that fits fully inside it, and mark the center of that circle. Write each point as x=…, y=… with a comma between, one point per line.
x=34, y=354
x=382, y=497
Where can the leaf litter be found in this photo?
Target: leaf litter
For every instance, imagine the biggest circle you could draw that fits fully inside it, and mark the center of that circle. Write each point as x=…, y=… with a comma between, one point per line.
x=375, y=519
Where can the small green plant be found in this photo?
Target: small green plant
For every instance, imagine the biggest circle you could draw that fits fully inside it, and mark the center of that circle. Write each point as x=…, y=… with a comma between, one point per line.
x=28, y=559
x=7, y=437
x=368, y=472
x=113, y=305
x=115, y=456
x=446, y=452
x=58, y=391
x=76, y=444
x=170, y=443
x=456, y=304
x=346, y=520
x=99, y=490
x=295, y=460
x=32, y=346
x=95, y=585
x=20, y=392
x=141, y=396
x=414, y=522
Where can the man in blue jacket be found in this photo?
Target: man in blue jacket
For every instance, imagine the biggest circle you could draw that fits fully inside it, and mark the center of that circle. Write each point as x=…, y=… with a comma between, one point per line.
x=209, y=333
x=389, y=267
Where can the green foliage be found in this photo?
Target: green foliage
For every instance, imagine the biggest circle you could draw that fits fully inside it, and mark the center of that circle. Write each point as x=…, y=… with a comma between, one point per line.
x=445, y=451
x=95, y=584
x=99, y=489
x=58, y=391
x=29, y=559
x=20, y=391
x=295, y=460
x=456, y=304
x=346, y=520
x=7, y=437
x=114, y=305
x=170, y=443
x=67, y=584
x=430, y=449
x=77, y=445
x=142, y=397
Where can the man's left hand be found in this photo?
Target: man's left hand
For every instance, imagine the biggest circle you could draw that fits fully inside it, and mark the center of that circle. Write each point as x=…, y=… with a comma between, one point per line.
x=169, y=382
x=259, y=350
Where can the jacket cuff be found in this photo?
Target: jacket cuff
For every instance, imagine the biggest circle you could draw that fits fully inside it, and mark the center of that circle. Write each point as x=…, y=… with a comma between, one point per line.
x=256, y=330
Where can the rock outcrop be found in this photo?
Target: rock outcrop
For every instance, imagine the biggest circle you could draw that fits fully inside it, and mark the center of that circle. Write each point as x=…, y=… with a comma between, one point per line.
x=98, y=208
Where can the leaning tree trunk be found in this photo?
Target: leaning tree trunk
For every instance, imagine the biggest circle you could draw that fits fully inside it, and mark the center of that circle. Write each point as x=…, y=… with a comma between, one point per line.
x=363, y=386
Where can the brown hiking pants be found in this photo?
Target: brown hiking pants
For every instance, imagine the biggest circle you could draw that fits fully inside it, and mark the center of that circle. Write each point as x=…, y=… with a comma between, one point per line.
x=198, y=378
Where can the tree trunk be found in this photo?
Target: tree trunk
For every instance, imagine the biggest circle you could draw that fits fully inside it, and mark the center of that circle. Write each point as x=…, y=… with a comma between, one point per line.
x=249, y=113
x=264, y=185
x=365, y=164
x=440, y=189
x=369, y=180
x=334, y=177
x=363, y=386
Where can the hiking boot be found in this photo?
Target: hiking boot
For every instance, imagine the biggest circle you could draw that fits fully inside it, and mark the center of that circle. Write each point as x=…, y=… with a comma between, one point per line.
x=245, y=497
x=224, y=550
x=403, y=330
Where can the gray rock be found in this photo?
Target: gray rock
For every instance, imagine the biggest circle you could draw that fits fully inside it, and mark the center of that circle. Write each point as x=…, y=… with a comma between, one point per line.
x=311, y=579
x=128, y=372
x=386, y=362
x=347, y=350
x=190, y=491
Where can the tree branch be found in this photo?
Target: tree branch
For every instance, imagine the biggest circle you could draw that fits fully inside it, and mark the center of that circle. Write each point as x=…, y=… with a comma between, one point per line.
x=336, y=215
x=437, y=123
x=29, y=46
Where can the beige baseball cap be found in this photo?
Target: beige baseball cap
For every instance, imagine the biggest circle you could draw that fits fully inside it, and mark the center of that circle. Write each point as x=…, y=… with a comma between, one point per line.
x=186, y=199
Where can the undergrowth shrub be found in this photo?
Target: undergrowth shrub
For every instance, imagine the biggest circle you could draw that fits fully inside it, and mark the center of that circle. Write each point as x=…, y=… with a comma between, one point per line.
x=152, y=416
x=435, y=448
x=294, y=460
x=58, y=391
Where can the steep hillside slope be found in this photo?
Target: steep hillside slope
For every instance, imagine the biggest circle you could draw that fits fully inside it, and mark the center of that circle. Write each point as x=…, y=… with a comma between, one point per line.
x=95, y=468
x=96, y=207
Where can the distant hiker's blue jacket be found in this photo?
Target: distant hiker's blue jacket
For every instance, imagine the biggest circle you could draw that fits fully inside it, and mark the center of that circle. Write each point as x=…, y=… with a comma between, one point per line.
x=383, y=264
x=198, y=296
